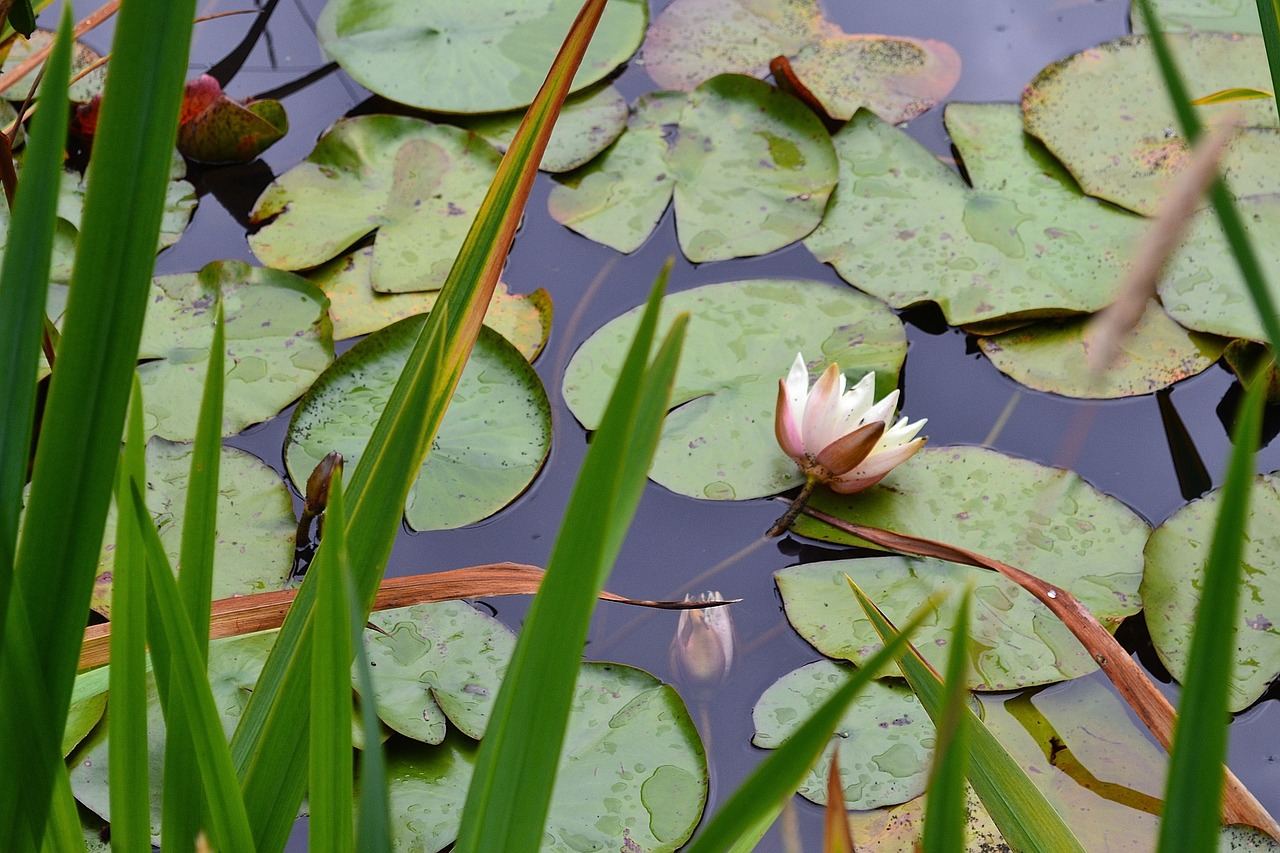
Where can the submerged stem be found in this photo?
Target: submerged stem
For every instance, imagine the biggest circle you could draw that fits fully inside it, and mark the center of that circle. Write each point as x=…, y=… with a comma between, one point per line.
x=784, y=523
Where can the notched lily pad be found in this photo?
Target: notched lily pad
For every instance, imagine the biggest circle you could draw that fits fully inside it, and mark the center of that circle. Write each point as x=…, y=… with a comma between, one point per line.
x=895, y=76
x=416, y=184
x=216, y=129
x=453, y=57
x=1175, y=557
x=1105, y=115
x=750, y=169
x=718, y=439
x=1022, y=243
x=885, y=739
x=492, y=443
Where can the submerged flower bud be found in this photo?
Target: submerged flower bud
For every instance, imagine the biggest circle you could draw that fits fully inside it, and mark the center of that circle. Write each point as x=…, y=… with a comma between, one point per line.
x=702, y=648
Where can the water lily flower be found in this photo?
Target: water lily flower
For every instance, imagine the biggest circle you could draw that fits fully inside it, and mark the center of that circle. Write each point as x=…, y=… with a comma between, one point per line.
x=702, y=648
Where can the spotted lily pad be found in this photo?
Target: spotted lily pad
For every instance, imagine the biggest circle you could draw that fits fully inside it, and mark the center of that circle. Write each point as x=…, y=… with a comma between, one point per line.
x=718, y=440
x=1022, y=243
x=750, y=169
x=1223, y=16
x=494, y=438
x=897, y=77
x=216, y=129
x=631, y=760
x=1052, y=356
x=83, y=56
x=416, y=184
x=885, y=739
x=254, y=547
x=278, y=341
x=455, y=57
x=1174, y=572
x=357, y=309
x=1105, y=114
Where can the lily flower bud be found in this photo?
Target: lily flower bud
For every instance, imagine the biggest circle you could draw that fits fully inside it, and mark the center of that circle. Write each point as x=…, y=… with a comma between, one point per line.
x=702, y=648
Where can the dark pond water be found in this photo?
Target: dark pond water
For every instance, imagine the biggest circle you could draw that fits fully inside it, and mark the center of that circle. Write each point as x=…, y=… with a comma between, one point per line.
x=678, y=544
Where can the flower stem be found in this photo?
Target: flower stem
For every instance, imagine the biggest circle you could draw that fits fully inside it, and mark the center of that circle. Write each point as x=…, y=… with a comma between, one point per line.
x=784, y=523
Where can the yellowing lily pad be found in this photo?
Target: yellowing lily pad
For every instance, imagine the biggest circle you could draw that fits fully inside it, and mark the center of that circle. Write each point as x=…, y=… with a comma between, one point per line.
x=750, y=168
x=278, y=341
x=1175, y=559
x=896, y=77
x=83, y=56
x=1022, y=243
x=718, y=439
x=492, y=443
x=416, y=184
x=1105, y=114
x=1053, y=356
x=454, y=57
x=357, y=309
x=254, y=548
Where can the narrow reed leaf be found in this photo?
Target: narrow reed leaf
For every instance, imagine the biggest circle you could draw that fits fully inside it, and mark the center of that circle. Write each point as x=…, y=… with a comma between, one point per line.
x=1193, y=792
x=1021, y=813
x=945, y=815
x=744, y=819
x=516, y=766
x=1269, y=17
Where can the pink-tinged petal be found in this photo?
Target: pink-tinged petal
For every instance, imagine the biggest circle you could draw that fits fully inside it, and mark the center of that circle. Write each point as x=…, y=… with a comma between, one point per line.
x=820, y=427
x=874, y=468
x=786, y=426
x=848, y=451
x=798, y=384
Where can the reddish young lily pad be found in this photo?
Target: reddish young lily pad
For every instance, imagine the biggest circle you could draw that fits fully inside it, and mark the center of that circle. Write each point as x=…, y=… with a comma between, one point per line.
x=216, y=129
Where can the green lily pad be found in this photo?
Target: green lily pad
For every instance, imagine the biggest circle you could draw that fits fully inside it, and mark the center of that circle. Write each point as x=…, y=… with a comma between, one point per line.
x=750, y=168
x=1052, y=356
x=491, y=445
x=1022, y=243
x=256, y=525
x=588, y=123
x=357, y=309
x=718, y=440
x=1105, y=114
x=885, y=739
x=88, y=702
x=417, y=184
x=470, y=57
x=278, y=336
x=1175, y=558
x=432, y=661
x=631, y=760
x=81, y=91
x=1223, y=16
x=897, y=77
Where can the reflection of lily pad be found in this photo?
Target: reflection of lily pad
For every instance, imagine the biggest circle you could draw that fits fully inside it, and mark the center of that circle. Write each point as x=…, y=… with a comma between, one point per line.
x=491, y=444
x=1051, y=357
x=254, y=547
x=1105, y=114
x=357, y=309
x=631, y=759
x=1171, y=589
x=1022, y=243
x=718, y=439
x=750, y=168
x=456, y=57
x=278, y=341
x=897, y=77
x=418, y=184
x=885, y=739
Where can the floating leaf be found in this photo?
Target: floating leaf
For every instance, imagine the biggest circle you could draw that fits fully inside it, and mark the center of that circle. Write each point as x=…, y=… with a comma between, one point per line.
x=588, y=123
x=256, y=524
x=1171, y=588
x=357, y=309
x=82, y=57
x=216, y=129
x=278, y=341
x=631, y=760
x=491, y=444
x=1105, y=114
x=1224, y=16
x=1022, y=243
x=897, y=77
x=718, y=440
x=417, y=184
x=469, y=57
x=750, y=168
x=885, y=739
x=1051, y=356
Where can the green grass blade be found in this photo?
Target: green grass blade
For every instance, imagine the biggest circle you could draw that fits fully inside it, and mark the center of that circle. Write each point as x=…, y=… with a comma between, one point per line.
x=1269, y=16
x=331, y=795
x=127, y=722
x=373, y=819
x=1021, y=813
x=945, y=816
x=749, y=813
x=1193, y=792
